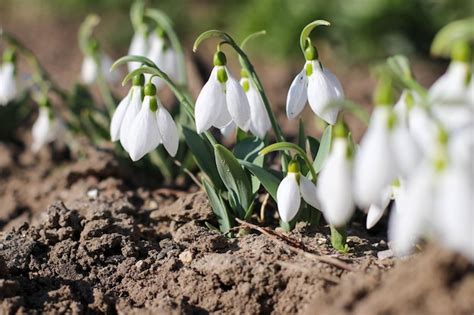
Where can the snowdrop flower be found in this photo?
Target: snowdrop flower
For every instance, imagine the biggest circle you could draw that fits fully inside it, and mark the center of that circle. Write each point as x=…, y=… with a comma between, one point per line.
x=46, y=129
x=259, y=120
x=163, y=56
x=317, y=85
x=377, y=210
x=290, y=191
x=221, y=100
x=335, y=181
x=126, y=111
x=138, y=47
x=375, y=164
x=90, y=69
x=150, y=127
x=8, y=84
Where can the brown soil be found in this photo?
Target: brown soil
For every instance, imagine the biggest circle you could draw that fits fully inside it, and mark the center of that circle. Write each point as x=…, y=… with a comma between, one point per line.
x=79, y=238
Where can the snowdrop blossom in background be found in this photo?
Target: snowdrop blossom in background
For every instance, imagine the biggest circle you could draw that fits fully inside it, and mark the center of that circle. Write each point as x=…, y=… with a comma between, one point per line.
x=90, y=69
x=335, y=183
x=375, y=165
x=8, y=84
x=163, y=55
x=46, y=129
x=290, y=191
x=316, y=85
x=126, y=111
x=150, y=127
x=259, y=120
x=138, y=47
x=221, y=100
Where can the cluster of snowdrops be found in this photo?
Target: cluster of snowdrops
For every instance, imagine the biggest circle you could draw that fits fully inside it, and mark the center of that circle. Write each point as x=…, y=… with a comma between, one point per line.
x=415, y=157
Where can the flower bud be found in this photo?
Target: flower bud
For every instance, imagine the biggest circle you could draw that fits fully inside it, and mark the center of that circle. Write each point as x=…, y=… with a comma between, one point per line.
x=293, y=167
x=138, y=80
x=219, y=59
x=150, y=89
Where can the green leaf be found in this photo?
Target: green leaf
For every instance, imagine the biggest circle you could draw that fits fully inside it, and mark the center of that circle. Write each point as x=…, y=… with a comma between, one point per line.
x=301, y=135
x=247, y=150
x=218, y=207
x=270, y=181
x=203, y=155
x=234, y=178
x=313, y=146
x=324, y=149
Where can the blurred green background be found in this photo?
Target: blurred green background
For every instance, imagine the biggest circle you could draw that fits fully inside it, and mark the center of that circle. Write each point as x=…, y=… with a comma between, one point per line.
x=362, y=29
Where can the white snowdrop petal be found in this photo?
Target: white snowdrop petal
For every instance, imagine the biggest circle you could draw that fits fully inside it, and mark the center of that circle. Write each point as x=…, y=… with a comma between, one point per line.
x=297, y=95
x=144, y=134
x=377, y=210
x=41, y=130
x=451, y=86
x=228, y=130
x=89, y=70
x=453, y=116
x=106, y=64
x=237, y=103
x=309, y=193
x=118, y=116
x=288, y=198
x=171, y=65
x=321, y=91
x=335, y=185
x=375, y=166
x=423, y=129
x=410, y=221
x=259, y=120
x=168, y=131
x=209, y=103
x=455, y=211
x=8, y=85
x=406, y=150
x=156, y=52
x=132, y=111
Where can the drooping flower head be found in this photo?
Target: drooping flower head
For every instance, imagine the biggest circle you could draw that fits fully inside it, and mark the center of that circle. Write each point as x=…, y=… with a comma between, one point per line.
x=335, y=182
x=290, y=191
x=8, y=84
x=317, y=85
x=150, y=127
x=47, y=127
x=126, y=111
x=96, y=63
x=222, y=100
x=163, y=55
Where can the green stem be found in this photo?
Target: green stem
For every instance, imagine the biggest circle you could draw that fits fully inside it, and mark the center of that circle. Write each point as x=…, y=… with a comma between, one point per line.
x=280, y=146
x=338, y=238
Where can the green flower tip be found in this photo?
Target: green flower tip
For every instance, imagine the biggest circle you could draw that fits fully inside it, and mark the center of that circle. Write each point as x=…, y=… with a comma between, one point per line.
x=219, y=59
x=383, y=95
x=150, y=89
x=222, y=75
x=340, y=129
x=442, y=136
x=153, y=104
x=293, y=167
x=245, y=85
x=9, y=56
x=311, y=53
x=461, y=52
x=138, y=80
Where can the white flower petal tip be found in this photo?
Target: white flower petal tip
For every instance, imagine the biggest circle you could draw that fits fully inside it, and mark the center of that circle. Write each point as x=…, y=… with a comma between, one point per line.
x=118, y=117
x=210, y=104
x=288, y=198
x=374, y=215
x=228, y=130
x=88, y=70
x=168, y=131
x=45, y=130
x=237, y=103
x=297, y=95
x=132, y=110
x=323, y=87
x=335, y=185
x=259, y=120
x=8, y=84
x=144, y=135
x=309, y=193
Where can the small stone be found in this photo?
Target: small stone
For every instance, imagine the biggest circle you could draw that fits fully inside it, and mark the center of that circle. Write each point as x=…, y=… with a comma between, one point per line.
x=141, y=265
x=384, y=254
x=93, y=193
x=186, y=257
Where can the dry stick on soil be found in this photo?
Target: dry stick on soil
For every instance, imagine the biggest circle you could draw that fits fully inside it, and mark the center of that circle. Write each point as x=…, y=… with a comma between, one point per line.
x=190, y=174
x=296, y=246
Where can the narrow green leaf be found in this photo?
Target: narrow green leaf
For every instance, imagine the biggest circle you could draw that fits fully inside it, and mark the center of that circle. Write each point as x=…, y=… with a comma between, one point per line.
x=218, y=207
x=203, y=155
x=313, y=146
x=324, y=149
x=247, y=150
x=234, y=178
x=269, y=180
x=301, y=135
